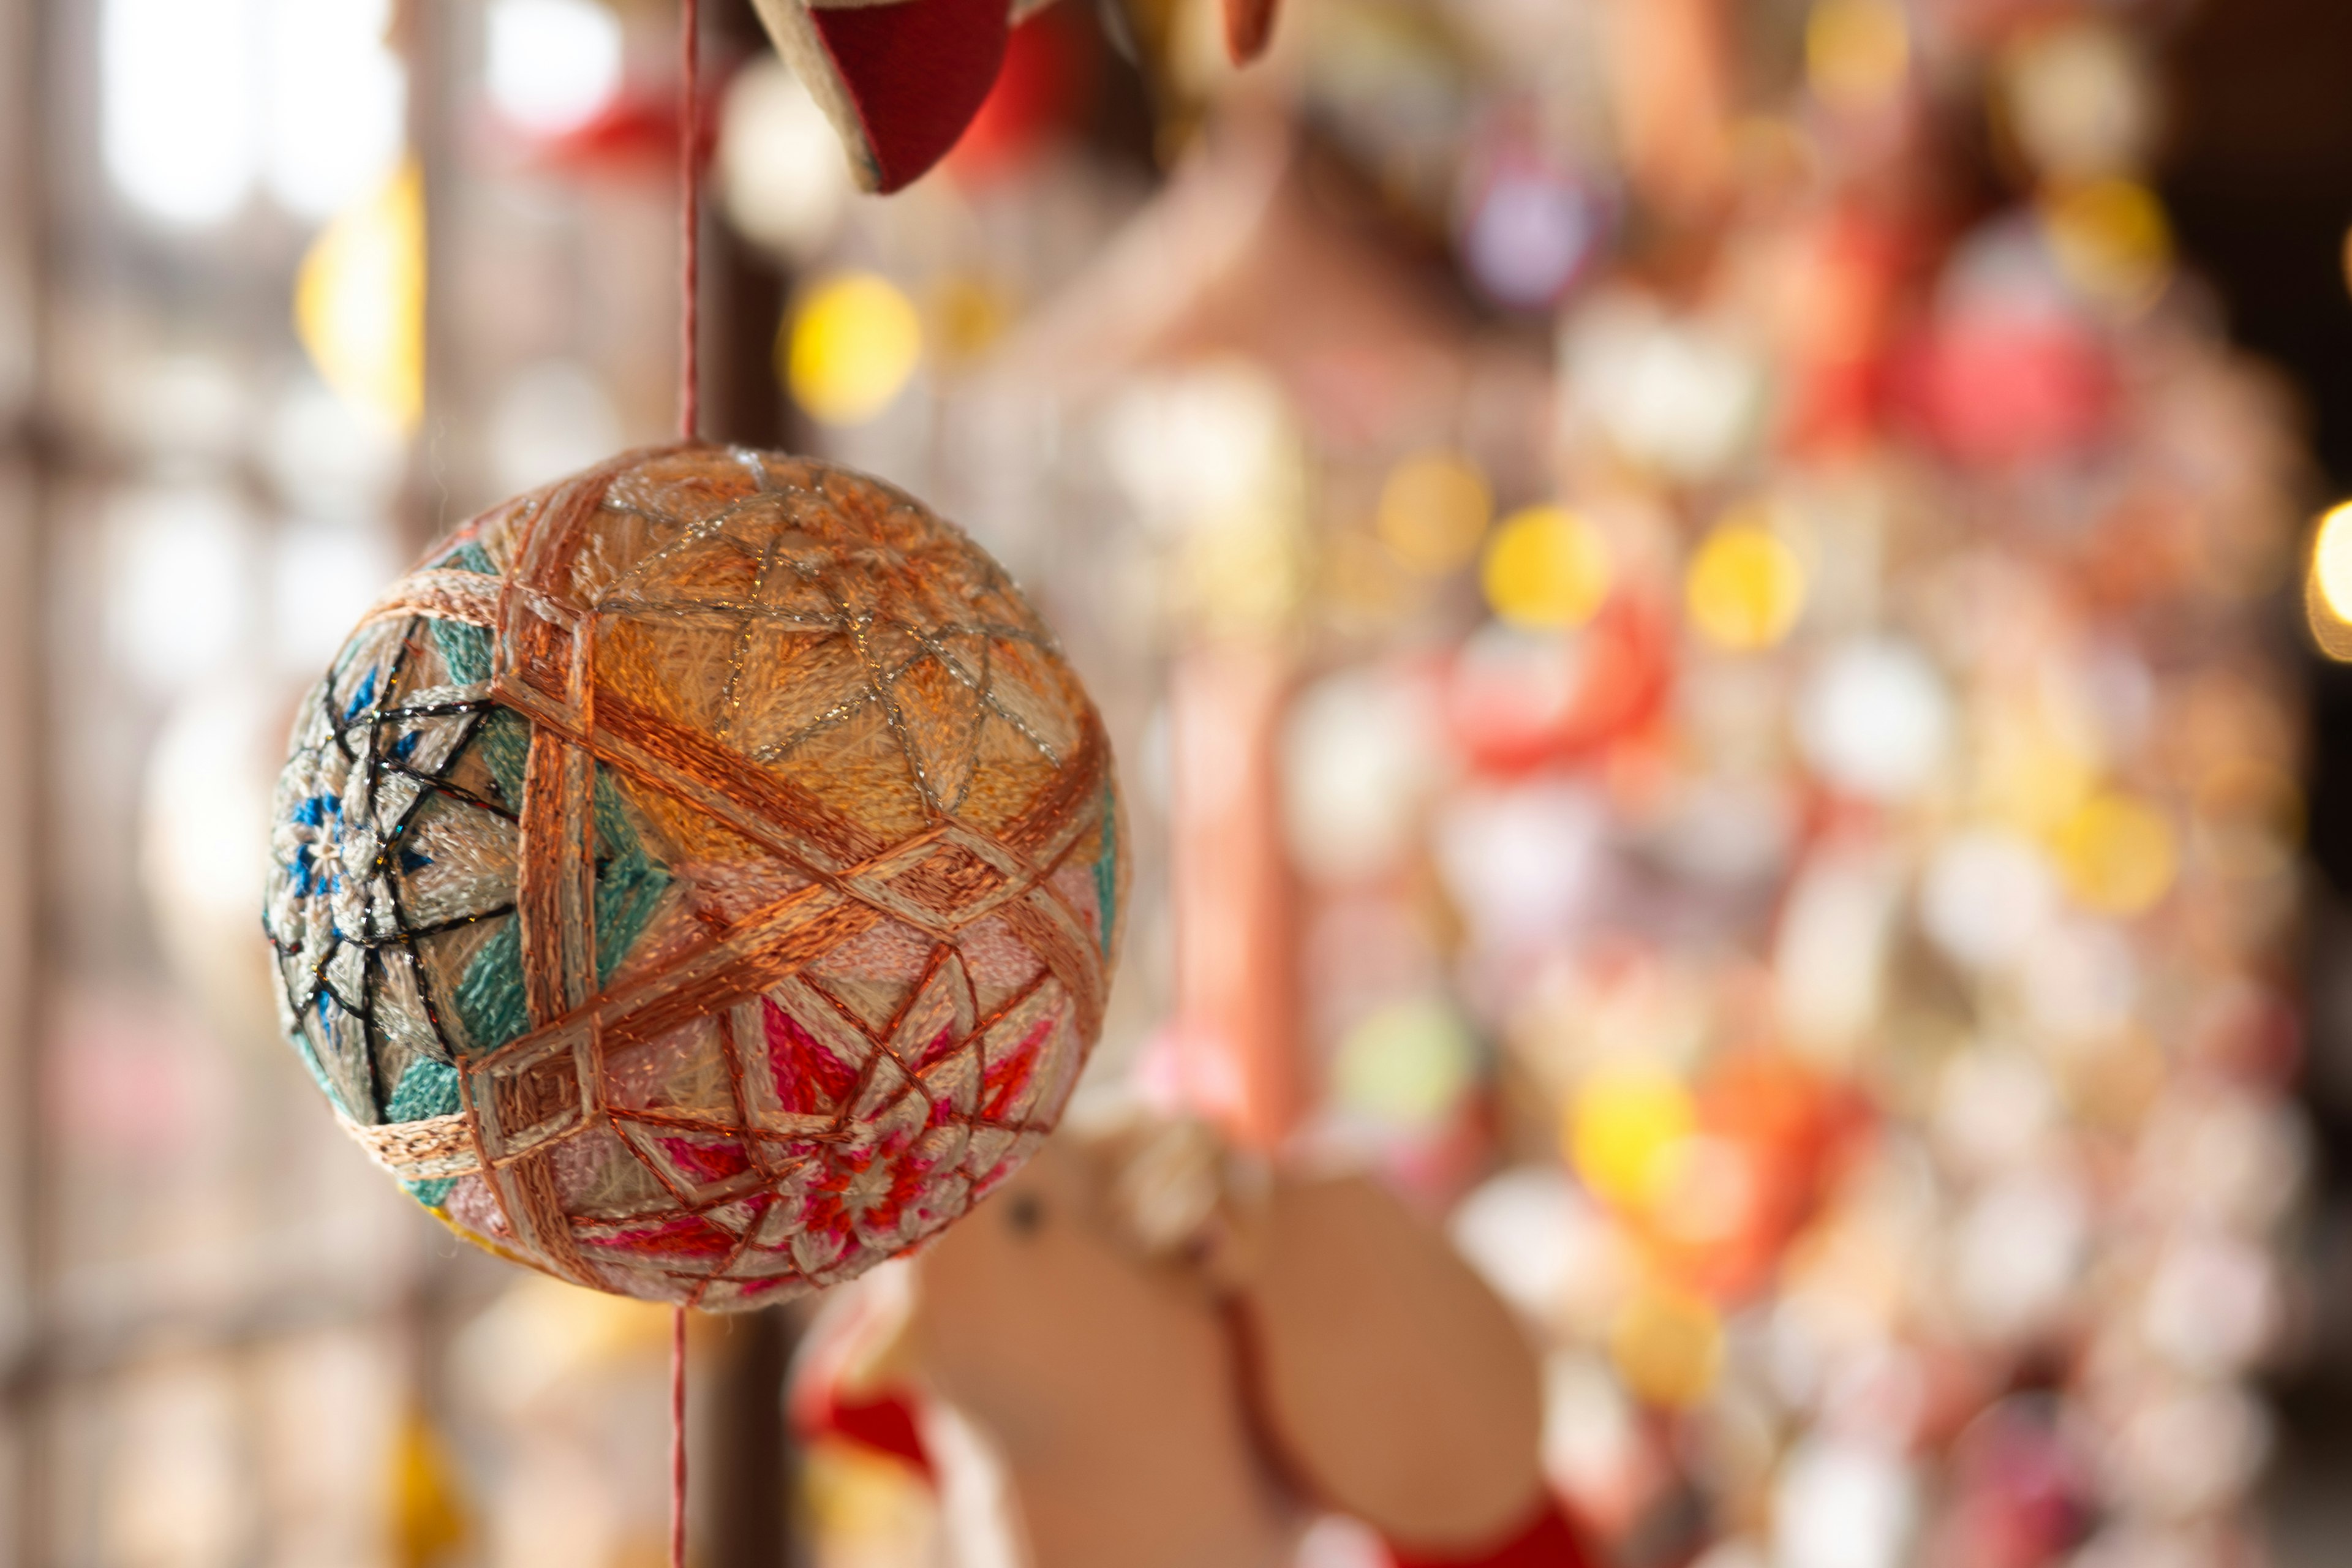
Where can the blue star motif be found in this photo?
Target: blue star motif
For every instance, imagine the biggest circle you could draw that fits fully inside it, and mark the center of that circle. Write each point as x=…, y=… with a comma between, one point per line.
x=315, y=873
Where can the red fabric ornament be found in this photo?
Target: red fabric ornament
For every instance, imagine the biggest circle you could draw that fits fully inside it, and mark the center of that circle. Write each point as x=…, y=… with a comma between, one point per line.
x=899, y=79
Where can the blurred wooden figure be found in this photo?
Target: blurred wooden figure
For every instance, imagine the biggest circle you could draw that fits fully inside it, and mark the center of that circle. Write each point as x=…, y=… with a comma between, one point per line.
x=1179, y=1358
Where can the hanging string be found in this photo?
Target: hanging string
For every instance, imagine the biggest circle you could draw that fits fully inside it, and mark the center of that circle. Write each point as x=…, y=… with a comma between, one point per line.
x=689, y=421
x=677, y=1439
x=689, y=324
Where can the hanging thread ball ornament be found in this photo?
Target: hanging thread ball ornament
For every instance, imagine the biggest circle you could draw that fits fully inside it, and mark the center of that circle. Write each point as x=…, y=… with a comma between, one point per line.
x=700, y=879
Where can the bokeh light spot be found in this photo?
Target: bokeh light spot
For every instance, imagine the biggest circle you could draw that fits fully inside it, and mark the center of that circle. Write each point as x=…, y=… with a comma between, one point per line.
x=551, y=65
x=1624, y=1126
x=1406, y=1065
x=852, y=347
x=359, y=302
x=2118, y=855
x=1547, y=567
x=1668, y=1348
x=1745, y=588
x=2111, y=240
x=1857, y=52
x=1433, y=510
x=2331, y=566
x=177, y=105
x=971, y=314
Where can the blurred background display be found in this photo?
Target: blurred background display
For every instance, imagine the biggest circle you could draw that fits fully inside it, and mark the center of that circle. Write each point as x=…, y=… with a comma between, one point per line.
x=1721, y=620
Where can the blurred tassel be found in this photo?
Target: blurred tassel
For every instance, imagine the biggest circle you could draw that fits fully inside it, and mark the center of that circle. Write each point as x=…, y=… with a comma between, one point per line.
x=428, y=1521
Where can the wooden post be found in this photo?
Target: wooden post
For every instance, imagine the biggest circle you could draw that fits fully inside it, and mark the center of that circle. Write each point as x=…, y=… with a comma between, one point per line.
x=1235, y=970
x=26, y=102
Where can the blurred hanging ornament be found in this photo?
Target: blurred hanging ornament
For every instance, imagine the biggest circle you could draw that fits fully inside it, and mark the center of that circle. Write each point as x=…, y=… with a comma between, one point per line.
x=1518, y=698
x=1145, y=1318
x=1047, y=85
x=699, y=879
x=902, y=80
x=2010, y=374
x=899, y=79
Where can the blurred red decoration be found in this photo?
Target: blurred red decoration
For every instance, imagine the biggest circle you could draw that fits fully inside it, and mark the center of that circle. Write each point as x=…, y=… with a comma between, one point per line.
x=2024, y=1496
x=634, y=133
x=1852, y=271
x=1997, y=389
x=1516, y=705
x=899, y=79
x=1774, y=1130
x=1046, y=84
x=1249, y=26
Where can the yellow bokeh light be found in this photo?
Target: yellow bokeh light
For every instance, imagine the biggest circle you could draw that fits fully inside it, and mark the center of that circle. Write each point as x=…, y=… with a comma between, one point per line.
x=428, y=1521
x=2111, y=239
x=1625, y=1128
x=971, y=314
x=1745, y=588
x=1243, y=572
x=359, y=302
x=1360, y=578
x=878, y=1503
x=2119, y=855
x=850, y=349
x=1668, y=1347
x=2033, y=774
x=2327, y=589
x=1433, y=510
x=1547, y=567
x=2329, y=630
x=1857, y=52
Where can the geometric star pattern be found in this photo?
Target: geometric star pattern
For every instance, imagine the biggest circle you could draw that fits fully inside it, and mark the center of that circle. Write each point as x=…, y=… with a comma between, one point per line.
x=700, y=879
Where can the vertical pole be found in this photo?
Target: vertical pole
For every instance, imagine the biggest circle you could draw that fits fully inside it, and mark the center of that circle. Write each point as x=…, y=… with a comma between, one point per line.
x=677, y=1438
x=25, y=104
x=743, y=1516
x=1235, y=981
x=743, y=291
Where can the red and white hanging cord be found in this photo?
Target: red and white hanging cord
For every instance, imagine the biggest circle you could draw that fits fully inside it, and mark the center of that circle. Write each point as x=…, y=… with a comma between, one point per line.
x=689, y=420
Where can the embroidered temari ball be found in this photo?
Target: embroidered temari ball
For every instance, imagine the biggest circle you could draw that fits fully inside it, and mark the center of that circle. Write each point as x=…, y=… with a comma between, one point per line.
x=699, y=878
